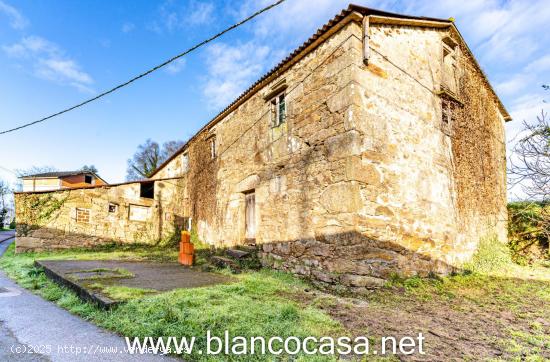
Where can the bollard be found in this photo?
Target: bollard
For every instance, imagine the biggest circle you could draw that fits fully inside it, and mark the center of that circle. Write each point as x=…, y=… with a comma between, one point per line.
x=187, y=249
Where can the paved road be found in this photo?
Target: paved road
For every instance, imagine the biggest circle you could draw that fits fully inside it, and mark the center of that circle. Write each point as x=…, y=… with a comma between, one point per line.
x=28, y=320
x=6, y=235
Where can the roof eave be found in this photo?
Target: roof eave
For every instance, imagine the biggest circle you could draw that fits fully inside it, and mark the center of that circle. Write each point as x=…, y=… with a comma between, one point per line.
x=353, y=12
x=313, y=42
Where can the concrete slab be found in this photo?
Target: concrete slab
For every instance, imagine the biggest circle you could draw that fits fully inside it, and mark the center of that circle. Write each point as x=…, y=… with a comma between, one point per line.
x=80, y=275
x=28, y=320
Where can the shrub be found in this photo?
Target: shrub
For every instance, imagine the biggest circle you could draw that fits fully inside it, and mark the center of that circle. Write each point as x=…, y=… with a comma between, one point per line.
x=491, y=255
x=12, y=224
x=528, y=227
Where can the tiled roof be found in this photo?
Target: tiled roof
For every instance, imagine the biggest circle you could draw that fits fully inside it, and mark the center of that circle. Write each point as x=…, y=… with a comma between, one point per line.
x=57, y=174
x=60, y=174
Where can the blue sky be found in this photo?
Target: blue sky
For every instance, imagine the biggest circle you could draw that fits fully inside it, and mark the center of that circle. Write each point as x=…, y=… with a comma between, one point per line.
x=56, y=53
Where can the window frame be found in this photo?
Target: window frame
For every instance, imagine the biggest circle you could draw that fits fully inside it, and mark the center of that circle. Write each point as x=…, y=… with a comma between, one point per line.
x=185, y=161
x=82, y=210
x=213, y=147
x=275, y=109
x=147, y=190
x=90, y=177
x=114, y=206
x=449, y=109
x=450, y=61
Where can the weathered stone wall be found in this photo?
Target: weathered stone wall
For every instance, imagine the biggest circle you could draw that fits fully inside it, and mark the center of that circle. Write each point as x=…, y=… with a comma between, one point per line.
x=479, y=159
x=286, y=166
x=362, y=180
x=393, y=209
x=365, y=179
x=421, y=197
x=83, y=217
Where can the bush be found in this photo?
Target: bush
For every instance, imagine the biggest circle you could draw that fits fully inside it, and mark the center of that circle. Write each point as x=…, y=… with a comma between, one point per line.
x=12, y=224
x=528, y=224
x=491, y=255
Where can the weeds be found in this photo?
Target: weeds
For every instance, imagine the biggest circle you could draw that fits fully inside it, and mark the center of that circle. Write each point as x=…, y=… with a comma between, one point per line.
x=492, y=256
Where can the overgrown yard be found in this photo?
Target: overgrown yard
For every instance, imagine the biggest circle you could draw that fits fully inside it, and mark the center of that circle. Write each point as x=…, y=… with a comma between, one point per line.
x=497, y=312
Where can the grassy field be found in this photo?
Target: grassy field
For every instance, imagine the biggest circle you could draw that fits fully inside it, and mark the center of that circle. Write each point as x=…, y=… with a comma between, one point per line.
x=495, y=311
x=259, y=303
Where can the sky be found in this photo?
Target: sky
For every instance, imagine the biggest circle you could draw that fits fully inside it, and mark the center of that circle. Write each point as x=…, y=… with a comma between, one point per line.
x=54, y=54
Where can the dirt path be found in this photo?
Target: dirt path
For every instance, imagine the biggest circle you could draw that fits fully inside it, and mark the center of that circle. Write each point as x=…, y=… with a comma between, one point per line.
x=469, y=320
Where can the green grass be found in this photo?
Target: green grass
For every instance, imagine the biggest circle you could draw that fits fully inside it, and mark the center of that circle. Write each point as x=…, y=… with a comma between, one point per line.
x=257, y=304
x=122, y=293
x=269, y=303
x=108, y=273
x=492, y=256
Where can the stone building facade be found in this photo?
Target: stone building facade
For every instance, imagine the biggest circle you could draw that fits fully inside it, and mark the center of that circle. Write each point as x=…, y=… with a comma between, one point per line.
x=377, y=147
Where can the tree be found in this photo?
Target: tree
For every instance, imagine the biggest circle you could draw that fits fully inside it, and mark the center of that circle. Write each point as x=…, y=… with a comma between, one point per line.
x=529, y=221
x=4, y=190
x=31, y=171
x=530, y=161
x=148, y=157
x=169, y=148
x=34, y=170
x=90, y=168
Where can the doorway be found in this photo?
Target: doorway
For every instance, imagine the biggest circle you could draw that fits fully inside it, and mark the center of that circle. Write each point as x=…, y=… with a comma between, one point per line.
x=250, y=215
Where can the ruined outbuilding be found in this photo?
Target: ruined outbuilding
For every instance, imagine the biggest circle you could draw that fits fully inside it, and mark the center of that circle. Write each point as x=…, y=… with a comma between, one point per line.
x=376, y=147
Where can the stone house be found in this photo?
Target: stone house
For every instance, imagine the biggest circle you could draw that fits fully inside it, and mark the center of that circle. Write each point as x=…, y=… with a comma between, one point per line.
x=376, y=147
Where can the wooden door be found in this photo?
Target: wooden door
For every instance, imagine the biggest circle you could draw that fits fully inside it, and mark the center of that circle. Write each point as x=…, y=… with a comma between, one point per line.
x=250, y=200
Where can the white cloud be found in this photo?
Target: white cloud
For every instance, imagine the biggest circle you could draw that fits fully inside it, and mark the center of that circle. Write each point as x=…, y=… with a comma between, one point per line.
x=540, y=65
x=532, y=76
x=17, y=20
x=299, y=18
x=200, y=13
x=231, y=69
x=64, y=68
x=176, y=66
x=128, y=27
x=527, y=107
x=48, y=61
x=173, y=16
x=498, y=29
x=31, y=45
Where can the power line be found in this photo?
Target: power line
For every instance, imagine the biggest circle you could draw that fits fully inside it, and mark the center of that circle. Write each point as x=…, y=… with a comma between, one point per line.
x=103, y=94
x=9, y=170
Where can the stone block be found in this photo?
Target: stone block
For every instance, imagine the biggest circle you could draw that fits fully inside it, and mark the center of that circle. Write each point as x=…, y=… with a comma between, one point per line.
x=24, y=243
x=361, y=171
x=343, y=145
x=361, y=281
x=323, y=276
x=342, y=197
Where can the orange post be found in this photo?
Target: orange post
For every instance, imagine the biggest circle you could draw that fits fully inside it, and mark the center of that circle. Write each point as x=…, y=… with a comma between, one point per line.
x=187, y=249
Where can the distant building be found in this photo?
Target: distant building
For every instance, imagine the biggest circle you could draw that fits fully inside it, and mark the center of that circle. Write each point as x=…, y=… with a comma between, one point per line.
x=58, y=180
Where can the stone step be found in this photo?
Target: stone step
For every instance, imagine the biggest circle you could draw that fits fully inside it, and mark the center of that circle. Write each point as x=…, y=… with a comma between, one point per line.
x=222, y=262
x=249, y=248
x=237, y=254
